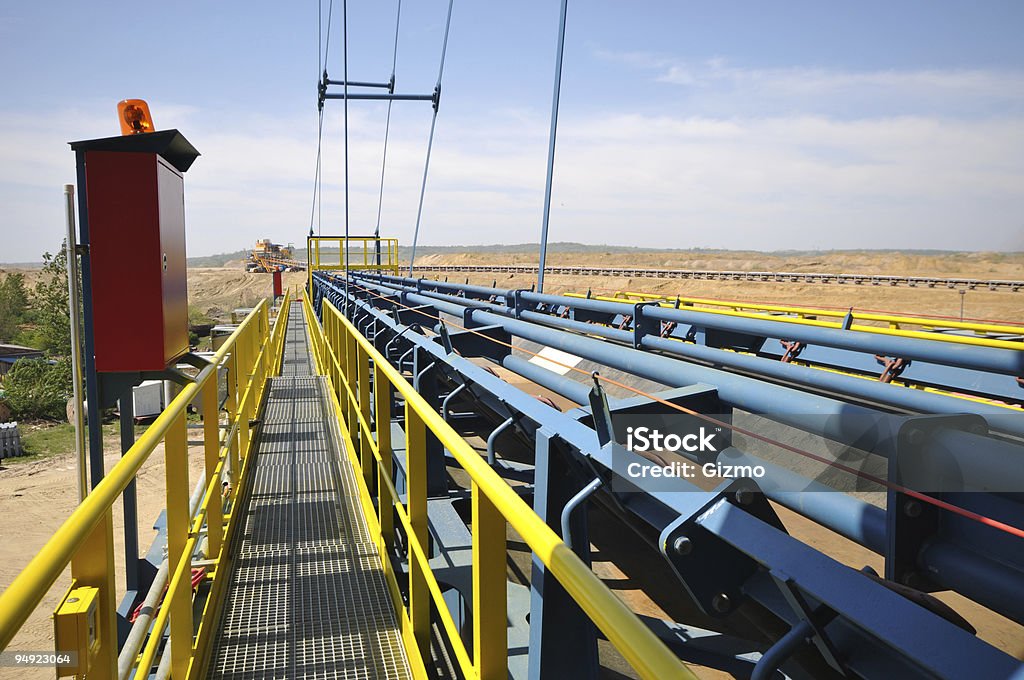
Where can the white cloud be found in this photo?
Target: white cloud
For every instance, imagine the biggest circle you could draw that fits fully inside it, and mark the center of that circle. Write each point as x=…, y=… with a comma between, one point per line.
x=783, y=179
x=719, y=88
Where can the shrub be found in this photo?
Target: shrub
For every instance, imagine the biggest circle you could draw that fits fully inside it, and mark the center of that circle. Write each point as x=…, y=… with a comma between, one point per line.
x=36, y=388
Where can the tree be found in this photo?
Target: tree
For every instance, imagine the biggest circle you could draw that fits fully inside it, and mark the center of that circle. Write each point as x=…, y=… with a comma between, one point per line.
x=50, y=302
x=13, y=305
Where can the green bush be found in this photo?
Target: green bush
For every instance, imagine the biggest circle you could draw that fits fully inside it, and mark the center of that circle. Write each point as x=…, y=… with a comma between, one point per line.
x=35, y=388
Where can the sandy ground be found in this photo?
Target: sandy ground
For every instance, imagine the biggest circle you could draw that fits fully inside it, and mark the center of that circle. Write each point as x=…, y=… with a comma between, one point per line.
x=980, y=304
x=36, y=498
x=217, y=290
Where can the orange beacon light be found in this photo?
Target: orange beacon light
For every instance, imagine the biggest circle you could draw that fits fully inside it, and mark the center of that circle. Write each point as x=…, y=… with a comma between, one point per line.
x=135, y=117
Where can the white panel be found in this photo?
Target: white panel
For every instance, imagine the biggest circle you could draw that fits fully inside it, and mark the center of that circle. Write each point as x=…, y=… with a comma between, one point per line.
x=556, y=360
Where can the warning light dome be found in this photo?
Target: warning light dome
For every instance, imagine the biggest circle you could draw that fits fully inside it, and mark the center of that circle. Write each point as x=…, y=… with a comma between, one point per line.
x=135, y=117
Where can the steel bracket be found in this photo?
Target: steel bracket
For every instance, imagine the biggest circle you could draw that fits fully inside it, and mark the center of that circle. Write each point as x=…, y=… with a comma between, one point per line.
x=420, y=315
x=486, y=342
x=712, y=571
x=917, y=464
x=643, y=326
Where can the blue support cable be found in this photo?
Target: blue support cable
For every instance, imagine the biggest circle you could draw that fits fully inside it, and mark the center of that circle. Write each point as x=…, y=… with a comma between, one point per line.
x=387, y=130
x=551, y=149
x=344, y=24
x=430, y=139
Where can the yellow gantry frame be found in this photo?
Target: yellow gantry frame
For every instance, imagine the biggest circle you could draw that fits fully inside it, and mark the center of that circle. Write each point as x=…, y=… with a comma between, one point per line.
x=348, y=359
x=86, y=541
x=362, y=254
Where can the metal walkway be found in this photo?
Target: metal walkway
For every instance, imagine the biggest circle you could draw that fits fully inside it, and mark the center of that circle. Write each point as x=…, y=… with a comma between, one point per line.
x=307, y=598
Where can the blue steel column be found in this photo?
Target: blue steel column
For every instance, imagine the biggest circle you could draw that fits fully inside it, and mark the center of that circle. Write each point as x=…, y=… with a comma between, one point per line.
x=425, y=384
x=92, y=387
x=563, y=641
x=131, y=513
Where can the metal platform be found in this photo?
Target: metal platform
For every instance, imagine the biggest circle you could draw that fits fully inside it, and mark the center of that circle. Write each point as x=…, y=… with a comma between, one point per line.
x=307, y=597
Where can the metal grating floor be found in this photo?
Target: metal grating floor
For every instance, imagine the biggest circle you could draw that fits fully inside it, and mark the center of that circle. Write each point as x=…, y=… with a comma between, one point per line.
x=307, y=597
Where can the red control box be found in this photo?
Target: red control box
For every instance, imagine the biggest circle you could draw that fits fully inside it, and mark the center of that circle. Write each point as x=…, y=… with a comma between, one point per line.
x=135, y=227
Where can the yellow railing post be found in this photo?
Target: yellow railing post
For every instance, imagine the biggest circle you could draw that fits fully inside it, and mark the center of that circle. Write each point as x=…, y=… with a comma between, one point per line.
x=336, y=367
x=382, y=409
x=211, y=450
x=179, y=601
x=341, y=354
x=416, y=485
x=234, y=441
x=93, y=565
x=490, y=630
x=363, y=395
x=349, y=350
x=243, y=433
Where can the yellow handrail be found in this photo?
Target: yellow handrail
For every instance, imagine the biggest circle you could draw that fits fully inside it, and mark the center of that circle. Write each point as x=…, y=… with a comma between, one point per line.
x=344, y=355
x=85, y=539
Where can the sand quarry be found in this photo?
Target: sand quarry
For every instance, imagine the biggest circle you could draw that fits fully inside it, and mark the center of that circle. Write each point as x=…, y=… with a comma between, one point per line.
x=36, y=497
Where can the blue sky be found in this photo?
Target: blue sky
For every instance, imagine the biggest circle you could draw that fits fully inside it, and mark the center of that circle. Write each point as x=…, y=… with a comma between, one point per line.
x=736, y=125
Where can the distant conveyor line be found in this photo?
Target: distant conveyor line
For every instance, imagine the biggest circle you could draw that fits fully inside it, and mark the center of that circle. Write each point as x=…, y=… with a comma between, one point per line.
x=725, y=275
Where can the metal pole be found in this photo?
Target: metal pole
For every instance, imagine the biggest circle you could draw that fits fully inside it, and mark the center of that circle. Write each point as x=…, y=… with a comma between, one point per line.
x=358, y=83
x=129, y=497
x=381, y=97
x=76, y=342
x=551, y=148
x=92, y=379
x=344, y=34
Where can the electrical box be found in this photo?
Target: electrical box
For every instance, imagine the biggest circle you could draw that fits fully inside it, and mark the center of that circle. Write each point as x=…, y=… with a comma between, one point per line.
x=148, y=398
x=77, y=630
x=134, y=224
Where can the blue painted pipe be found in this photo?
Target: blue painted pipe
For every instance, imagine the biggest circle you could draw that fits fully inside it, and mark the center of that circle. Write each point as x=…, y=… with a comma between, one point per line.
x=844, y=514
x=993, y=360
x=988, y=463
x=568, y=388
x=988, y=582
x=794, y=407
x=990, y=359
x=920, y=401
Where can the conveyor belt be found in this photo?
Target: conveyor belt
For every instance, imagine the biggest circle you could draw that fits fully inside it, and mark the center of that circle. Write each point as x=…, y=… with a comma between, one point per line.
x=307, y=597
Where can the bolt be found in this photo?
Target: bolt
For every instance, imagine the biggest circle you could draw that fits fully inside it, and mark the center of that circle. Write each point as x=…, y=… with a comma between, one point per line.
x=721, y=603
x=682, y=545
x=72, y=600
x=912, y=509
